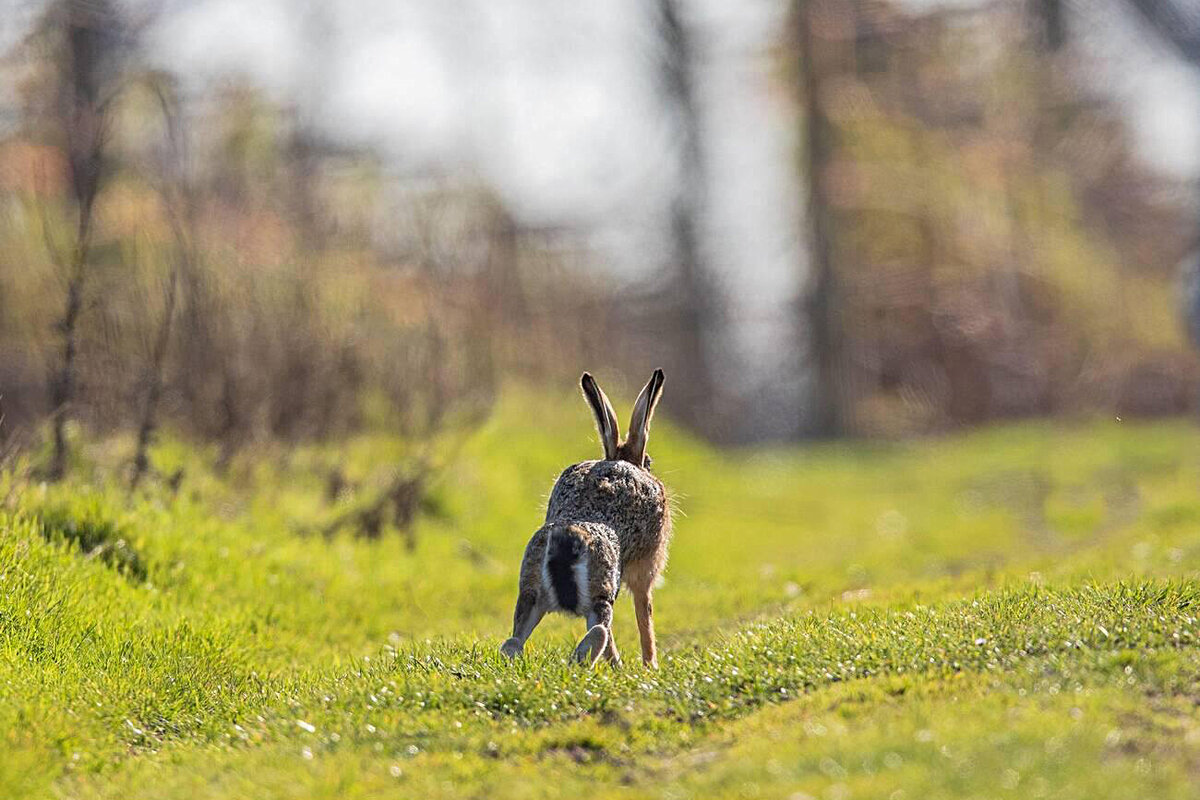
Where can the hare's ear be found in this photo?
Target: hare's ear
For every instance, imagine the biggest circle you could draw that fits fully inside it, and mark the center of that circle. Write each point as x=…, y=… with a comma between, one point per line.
x=606, y=418
x=643, y=411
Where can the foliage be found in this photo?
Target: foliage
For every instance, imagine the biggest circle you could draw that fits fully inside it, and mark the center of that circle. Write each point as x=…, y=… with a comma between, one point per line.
x=986, y=261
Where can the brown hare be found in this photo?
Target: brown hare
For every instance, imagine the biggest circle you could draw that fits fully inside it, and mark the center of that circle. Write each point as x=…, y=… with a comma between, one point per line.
x=607, y=522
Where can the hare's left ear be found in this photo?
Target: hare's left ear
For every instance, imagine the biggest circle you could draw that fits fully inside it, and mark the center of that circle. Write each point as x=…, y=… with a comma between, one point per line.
x=643, y=411
x=602, y=410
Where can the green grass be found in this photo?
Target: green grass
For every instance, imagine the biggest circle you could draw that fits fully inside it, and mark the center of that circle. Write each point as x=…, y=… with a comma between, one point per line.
x=1011, y=612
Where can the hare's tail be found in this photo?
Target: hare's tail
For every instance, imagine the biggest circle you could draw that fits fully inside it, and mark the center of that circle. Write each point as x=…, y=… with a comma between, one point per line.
x=566, y=568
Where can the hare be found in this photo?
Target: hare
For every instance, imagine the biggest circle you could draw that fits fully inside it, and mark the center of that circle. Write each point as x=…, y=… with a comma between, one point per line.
x=607, y=522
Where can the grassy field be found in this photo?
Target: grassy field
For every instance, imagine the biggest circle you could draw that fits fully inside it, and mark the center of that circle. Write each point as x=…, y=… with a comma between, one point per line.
x=1007, y=613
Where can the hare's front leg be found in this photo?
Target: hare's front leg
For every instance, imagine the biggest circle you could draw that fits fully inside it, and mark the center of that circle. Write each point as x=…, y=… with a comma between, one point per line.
x=526, y=616
x=641, y=586
x=643, y=606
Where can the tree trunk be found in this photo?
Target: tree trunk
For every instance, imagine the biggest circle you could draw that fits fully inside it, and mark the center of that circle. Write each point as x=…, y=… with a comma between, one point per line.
x=90, y=34
x=694, y=306
x=1051, y=24
x=62, y=390
x=1178, y=23
x=141, y=458
x=821, y=307
x=177, y=197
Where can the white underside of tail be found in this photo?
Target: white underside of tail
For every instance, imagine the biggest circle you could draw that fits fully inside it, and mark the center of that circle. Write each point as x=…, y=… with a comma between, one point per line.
x=581, y=585
x=582, y=599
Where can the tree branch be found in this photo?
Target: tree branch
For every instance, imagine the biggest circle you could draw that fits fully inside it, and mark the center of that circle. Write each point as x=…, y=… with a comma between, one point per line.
x=1180, y=28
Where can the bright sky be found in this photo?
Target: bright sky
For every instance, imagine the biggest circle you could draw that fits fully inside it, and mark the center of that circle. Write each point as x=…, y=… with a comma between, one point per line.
x=551, y=99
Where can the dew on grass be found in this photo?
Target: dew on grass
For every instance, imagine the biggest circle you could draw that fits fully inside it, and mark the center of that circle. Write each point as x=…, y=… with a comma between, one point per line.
x=1011, y=779
x=891, y=524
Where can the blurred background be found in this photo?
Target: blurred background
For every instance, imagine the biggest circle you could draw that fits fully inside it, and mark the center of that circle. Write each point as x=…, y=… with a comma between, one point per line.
x=293, y=220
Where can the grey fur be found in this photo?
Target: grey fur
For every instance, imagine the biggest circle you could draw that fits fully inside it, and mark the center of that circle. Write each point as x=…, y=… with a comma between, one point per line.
x=621, y=517
x=627, y=499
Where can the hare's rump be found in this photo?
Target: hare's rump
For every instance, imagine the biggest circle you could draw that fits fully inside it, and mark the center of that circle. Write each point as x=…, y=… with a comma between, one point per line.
x=627, y=498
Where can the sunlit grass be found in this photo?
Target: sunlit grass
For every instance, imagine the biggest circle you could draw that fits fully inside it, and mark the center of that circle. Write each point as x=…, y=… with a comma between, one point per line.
x=974, y=615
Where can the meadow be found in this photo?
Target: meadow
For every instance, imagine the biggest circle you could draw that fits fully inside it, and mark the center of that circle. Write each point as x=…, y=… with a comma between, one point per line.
x=1010, y=612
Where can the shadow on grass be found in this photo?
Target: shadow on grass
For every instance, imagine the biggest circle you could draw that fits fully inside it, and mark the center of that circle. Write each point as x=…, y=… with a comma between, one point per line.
x=96, y=537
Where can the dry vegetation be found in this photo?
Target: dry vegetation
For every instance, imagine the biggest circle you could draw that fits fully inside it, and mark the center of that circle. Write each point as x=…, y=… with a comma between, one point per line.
x=991, y=248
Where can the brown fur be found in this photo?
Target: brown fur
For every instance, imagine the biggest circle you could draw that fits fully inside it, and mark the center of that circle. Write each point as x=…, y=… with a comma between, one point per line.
x=620, y=515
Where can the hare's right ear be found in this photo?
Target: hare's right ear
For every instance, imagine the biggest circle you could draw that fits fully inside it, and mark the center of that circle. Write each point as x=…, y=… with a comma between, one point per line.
x=643, y=411
x=606, y=418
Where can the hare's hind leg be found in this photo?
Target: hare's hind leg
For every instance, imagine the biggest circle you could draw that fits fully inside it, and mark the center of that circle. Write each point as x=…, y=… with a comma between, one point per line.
x=532, y=603
x=592, y=645
x=526, y=616
x=602, y=614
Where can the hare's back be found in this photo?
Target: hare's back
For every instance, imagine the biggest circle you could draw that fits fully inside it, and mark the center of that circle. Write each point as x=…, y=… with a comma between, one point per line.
x=628, y=498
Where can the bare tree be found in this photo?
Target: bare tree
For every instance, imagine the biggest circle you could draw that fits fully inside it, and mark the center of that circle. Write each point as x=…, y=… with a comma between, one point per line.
x=695, y=301
x=176, y=193
x=507, y=291
x=304, y=144
x=820, y=309
x=89, y=35
x=1177, y=22
x=1191, y=298
x=1051, y=20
